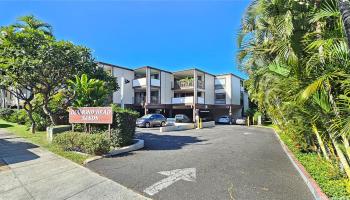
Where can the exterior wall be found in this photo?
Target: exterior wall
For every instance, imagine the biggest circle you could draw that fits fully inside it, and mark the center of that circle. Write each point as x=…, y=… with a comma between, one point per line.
x=128, y=89
x=166, y=83
x=226, y=89
x=7, y=100
x=235, y=90
x=209, y=89
x=231, y=89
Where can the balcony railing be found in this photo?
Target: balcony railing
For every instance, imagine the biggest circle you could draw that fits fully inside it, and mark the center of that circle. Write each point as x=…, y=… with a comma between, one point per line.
x=182, y=100
x=200, y=100
x=142, y=101
x=155, y=100
x=188, y=84
x=220, y=101
x=186, y=100
x=142, y=82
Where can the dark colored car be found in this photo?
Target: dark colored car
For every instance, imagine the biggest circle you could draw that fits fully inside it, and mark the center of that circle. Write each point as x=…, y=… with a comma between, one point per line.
x=151, y=120
x=181, y=118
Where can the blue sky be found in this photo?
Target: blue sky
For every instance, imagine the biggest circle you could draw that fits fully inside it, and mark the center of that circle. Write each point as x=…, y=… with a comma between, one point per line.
x=170, y=35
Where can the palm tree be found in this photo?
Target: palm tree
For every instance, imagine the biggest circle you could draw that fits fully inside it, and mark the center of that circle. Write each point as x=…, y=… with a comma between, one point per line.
x=297, y=57
x=31, y=22
x=344, y=8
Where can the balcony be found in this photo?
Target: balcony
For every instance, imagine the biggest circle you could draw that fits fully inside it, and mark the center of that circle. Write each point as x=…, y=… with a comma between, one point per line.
x=188, y=84
x=200, y=100
x=182, y=100
x=186, y=100
x=142, y=101
x=155, y=100
x=142, y=82
x=220, y=101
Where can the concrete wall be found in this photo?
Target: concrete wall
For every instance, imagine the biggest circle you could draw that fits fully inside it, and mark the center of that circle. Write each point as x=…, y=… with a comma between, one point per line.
x=128, y=89
x=166, y=83
x=235, y=90
x=209, y=89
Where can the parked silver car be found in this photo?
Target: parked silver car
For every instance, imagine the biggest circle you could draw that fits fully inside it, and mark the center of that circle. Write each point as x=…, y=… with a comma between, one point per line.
x=151, y=120
x=181, y=118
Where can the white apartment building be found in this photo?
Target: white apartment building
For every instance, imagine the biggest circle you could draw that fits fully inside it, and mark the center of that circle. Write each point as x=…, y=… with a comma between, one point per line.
x=191, y=92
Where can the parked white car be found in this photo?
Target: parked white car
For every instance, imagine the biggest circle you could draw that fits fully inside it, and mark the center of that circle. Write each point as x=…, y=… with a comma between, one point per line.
x=225, y=119
x=240, y=121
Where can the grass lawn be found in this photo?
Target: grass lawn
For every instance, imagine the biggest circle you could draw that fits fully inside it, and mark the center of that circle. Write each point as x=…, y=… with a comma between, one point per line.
x=39, y=138
x=327, y=174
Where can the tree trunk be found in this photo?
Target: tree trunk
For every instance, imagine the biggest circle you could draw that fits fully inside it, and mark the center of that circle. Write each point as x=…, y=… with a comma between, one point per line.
x=342, y=158
x=29, y=109
x=48, y=111
x=344, y=8
x=320, y=142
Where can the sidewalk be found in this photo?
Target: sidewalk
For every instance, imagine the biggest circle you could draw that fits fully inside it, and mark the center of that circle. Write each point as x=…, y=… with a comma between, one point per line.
x=30, y=172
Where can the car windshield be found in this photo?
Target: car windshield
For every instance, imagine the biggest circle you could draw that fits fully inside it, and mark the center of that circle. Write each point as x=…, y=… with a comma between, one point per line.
x=146, y=116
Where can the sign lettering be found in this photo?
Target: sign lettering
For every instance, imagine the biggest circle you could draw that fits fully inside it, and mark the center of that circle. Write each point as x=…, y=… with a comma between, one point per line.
x=91, y=115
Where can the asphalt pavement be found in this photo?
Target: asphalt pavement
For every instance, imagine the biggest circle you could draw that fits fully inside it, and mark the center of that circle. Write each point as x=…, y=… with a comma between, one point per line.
x=225, y=162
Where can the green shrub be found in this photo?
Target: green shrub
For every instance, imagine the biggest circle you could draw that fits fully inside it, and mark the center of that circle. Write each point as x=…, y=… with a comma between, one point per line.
x=5, y=113
x=123, y=127
x=69, y=141
x=95, y=144
x=21, y=117
x=327, y=174
x=41, y=120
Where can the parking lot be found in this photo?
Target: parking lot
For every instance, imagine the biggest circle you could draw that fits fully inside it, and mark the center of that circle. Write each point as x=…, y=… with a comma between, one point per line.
x=225, y=162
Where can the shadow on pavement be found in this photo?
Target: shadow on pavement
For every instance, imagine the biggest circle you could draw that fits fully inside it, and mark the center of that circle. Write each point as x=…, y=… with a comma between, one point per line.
x=5, y=125
x=16, y=151
x=166, y=142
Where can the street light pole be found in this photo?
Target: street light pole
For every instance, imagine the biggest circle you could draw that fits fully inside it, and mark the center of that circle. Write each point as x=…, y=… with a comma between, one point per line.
x=122, y=82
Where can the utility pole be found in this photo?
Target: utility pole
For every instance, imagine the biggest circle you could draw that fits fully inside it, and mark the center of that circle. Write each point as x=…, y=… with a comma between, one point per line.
x=122, y=83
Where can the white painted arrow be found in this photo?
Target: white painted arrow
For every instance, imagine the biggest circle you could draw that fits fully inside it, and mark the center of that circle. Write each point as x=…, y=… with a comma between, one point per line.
x=187, y=174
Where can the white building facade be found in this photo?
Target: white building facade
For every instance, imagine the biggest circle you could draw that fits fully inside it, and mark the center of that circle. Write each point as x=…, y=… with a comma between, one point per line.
x=192, y=92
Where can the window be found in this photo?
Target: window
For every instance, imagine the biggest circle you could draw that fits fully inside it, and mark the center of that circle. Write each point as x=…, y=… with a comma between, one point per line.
x=220, y=83
x=220, y=98
x=155, y=76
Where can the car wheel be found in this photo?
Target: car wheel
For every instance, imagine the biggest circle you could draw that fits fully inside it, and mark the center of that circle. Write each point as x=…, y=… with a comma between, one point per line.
x=162, y=124
x=147, y=125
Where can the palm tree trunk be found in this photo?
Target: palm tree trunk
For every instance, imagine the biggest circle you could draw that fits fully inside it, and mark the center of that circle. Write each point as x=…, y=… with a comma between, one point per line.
x=344, y=8
x=320, y=142
x=342, y=158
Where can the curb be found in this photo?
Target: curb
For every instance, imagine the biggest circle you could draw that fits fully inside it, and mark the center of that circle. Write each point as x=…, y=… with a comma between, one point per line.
x=136, y=146
x=314, y=188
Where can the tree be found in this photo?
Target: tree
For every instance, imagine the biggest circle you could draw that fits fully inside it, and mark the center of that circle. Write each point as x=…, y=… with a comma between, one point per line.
x=344, y=8
x=59, y=62
x=87, y=92
x=297, y=57
x=18, y=62
x=30, y=22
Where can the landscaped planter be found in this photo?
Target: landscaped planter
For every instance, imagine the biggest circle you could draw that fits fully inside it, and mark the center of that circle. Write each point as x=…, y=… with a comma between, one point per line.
x=138, y=144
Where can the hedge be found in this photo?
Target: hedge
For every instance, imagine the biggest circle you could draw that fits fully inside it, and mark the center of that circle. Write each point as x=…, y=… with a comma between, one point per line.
x=95, y=144
x=21, y=117
x=123, y=127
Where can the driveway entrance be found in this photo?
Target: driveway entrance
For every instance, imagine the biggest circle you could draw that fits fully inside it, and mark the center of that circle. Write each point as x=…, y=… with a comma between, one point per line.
x=225, y=162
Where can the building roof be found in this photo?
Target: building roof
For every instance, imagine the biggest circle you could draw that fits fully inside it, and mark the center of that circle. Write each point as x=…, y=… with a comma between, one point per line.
x=231, y=75
x=152, y=68
x=103, y=63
